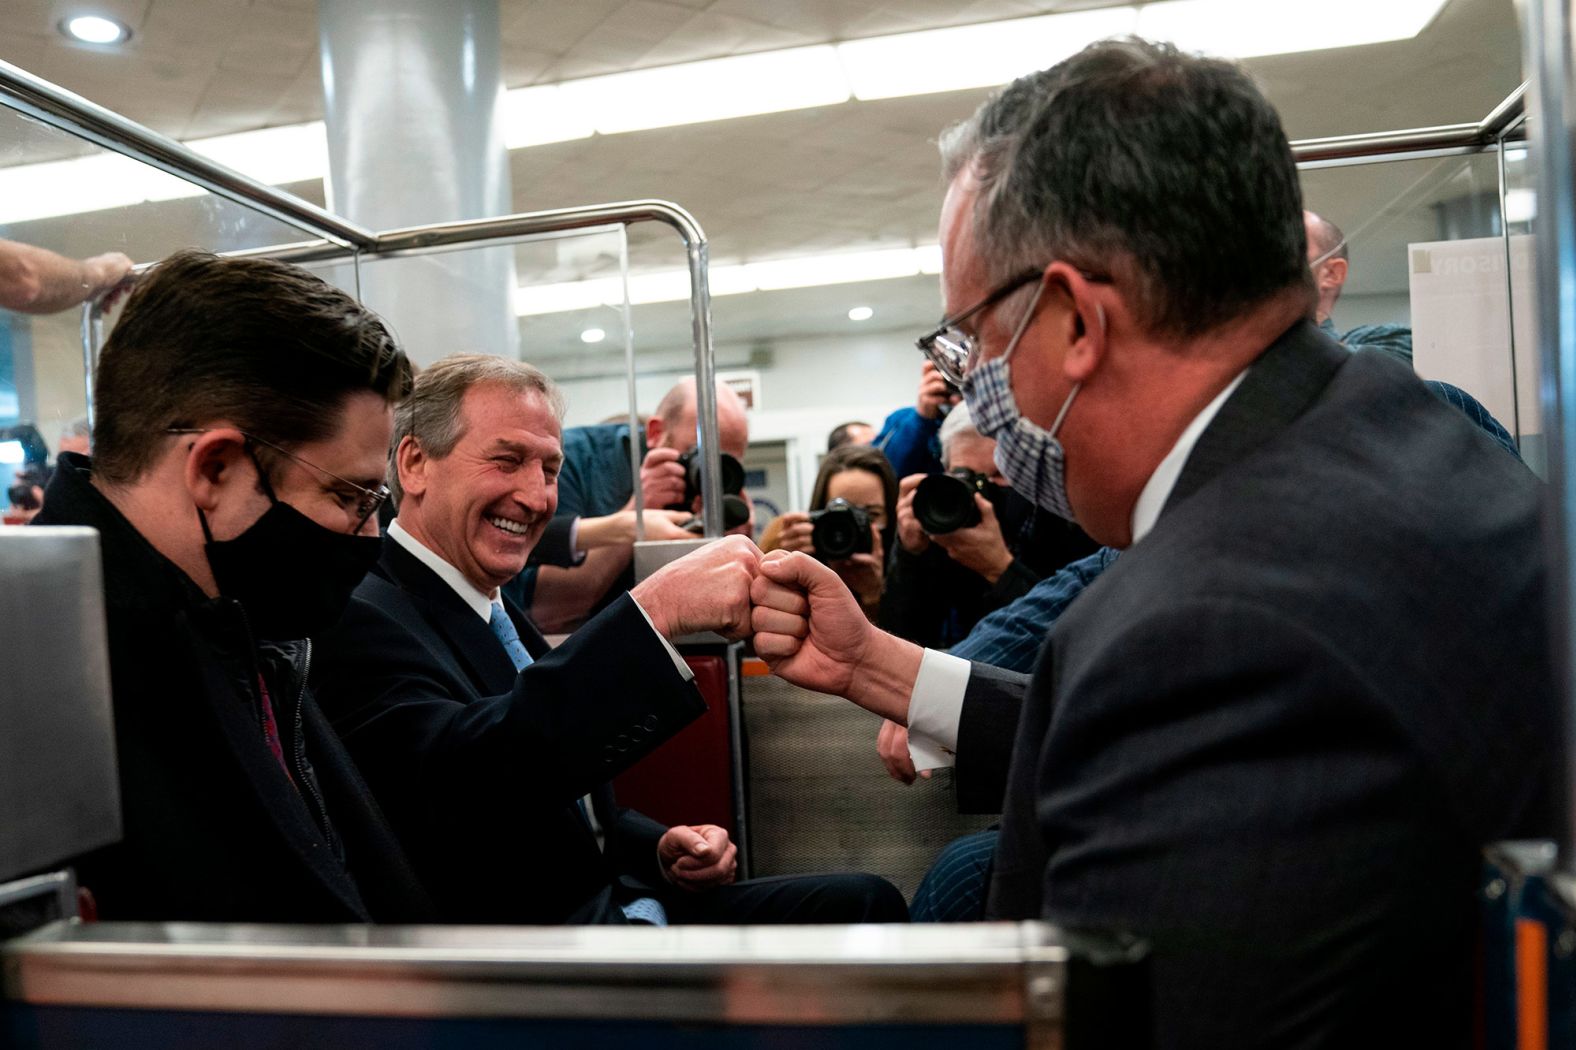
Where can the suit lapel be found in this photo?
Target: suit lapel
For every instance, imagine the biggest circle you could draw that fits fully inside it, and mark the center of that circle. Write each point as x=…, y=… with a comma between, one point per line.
x=1278, y=388
x=467, y=636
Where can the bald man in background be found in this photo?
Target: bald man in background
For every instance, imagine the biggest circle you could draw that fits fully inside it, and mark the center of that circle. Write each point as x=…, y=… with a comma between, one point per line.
x=571, y=580
x=1329, y=257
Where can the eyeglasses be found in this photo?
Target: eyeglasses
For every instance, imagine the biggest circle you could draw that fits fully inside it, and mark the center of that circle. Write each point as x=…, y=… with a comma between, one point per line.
x=367, y=500
x=951, y=349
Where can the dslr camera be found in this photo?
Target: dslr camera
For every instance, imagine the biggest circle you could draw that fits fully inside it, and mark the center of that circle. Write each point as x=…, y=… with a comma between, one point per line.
x=839, y=531
x=944, y=503
x=735, y=511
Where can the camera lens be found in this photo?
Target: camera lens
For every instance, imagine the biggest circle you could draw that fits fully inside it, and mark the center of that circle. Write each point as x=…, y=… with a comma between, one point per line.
x=840, y=531
x=732, y=472
x=944, y=503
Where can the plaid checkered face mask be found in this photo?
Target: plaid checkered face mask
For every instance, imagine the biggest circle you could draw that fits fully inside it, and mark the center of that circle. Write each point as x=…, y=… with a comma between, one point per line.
x=1029, y=455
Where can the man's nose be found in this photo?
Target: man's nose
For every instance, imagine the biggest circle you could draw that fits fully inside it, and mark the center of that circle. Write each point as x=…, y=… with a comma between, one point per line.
x=532, y=491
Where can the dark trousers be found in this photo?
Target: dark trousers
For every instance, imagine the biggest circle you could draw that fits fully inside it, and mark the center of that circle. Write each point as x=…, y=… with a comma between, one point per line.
x=797, y=899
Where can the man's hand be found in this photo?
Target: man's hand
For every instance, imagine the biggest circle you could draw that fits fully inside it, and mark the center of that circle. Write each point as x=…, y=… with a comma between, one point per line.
x=911, y=535
x=795, y=532
x=103, y=272
x=707, y=590
x=698, y=856
x=934, y=392
x=892, y=746
x=662, y=478
x=618, y=529
x=808, y=627
x=979, y=547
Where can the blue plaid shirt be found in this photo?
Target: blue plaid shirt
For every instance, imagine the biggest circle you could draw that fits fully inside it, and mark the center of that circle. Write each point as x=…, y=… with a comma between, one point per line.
x=1011, y=636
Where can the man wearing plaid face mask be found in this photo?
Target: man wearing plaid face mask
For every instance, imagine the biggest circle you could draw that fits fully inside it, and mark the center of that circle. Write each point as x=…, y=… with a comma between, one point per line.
x=1267, y=739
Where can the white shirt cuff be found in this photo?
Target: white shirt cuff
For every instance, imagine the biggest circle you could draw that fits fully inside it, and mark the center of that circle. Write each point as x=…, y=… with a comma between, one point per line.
x=935, y=708
x=678, y=661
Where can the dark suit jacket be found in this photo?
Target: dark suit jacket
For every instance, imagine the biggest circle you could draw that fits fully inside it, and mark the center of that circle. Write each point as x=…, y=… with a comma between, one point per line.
x=480, y=769
x=1274, y=734
x=214, y=828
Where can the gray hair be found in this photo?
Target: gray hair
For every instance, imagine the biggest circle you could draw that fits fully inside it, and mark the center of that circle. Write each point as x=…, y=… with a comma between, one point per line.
x=957, y=424
x=1165, y=172
x=78, y=428
x=431, y=412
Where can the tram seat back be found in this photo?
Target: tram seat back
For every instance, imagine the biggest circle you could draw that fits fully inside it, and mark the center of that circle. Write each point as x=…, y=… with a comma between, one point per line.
x=820, y=799
x=58, y=787
x=690, y=778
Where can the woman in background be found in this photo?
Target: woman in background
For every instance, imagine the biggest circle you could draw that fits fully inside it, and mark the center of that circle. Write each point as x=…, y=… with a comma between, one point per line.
x=861, y=476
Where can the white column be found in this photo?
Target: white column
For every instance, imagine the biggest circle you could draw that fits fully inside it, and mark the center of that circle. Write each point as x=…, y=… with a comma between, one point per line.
x=411, y=93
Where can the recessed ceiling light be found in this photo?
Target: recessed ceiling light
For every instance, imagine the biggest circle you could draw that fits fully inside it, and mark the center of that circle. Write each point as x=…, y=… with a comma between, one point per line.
x=861, y=313
x=592, y=335
x=95, y=29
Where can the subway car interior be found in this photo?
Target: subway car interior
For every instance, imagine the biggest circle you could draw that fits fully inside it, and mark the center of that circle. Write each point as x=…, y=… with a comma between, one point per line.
x=740, y=199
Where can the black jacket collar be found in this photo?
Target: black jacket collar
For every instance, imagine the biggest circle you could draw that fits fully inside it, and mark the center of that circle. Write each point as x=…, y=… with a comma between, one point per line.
x=1282, y=383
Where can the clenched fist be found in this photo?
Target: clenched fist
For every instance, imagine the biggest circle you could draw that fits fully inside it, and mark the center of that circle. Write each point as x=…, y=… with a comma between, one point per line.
x=706, y=590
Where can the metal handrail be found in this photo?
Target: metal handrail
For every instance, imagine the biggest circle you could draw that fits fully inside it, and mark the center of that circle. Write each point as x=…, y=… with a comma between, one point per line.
x=59, y=108
x=1441, y=140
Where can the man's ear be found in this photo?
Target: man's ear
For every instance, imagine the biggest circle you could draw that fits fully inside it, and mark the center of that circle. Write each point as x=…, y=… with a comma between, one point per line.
x=1333, y=273
x=654, y=432
x=214, y=465
x=1083, y=318
x=410, y=462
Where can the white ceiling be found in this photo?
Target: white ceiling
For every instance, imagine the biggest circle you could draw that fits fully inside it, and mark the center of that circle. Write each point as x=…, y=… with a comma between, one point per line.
x=839, y=177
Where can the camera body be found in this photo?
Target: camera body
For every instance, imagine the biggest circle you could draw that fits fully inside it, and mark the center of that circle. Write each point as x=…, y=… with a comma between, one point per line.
x=735, y=511
x=944, y=503
x=732, y=475
x=839, y=531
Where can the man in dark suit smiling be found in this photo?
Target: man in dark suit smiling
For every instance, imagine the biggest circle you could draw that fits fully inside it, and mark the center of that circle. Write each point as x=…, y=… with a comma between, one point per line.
x=1274, y=734
x=491, y=753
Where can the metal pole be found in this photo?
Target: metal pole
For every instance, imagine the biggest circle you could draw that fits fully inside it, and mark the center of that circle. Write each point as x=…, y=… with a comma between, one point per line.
x=1510, y=296
x=629, y=378
x=1549, y=60
x=705, y=392
x=55, y=106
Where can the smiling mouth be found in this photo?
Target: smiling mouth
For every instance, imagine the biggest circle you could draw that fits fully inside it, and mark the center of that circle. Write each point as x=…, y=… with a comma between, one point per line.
x=513, y=528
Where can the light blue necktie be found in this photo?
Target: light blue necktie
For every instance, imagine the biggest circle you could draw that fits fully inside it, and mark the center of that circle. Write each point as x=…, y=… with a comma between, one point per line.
x=503, y=630
x=645, y=911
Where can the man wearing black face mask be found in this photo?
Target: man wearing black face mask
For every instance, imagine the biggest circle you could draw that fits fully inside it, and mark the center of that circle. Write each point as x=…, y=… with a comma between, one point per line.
x=940, y=584
x=243, y=416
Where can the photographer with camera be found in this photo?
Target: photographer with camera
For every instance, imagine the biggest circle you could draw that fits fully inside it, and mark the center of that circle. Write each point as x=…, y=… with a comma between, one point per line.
x=585, y=558
x=967, y=544
x=849, y=526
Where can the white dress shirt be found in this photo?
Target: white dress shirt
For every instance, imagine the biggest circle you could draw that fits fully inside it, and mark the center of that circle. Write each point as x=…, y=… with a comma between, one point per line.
x=936, y=705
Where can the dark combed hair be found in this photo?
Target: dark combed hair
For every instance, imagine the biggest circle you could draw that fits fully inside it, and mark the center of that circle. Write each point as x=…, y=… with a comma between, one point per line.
x=1167, y=171
x=841, y=434
x=870, y=460
x=264, y=345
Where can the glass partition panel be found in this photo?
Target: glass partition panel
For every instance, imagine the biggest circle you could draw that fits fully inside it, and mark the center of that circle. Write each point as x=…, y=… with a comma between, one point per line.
x=79, y=200
x=1427, y=278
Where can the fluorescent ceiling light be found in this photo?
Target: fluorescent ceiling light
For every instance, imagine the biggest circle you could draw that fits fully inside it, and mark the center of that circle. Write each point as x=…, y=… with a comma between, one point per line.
x=971, y=56
x=94, y=29
x=717, y=89
x=534, y=116
x=295, y=153
x=592, y=335
x=1249, y=28
x=1521, y=205
x=666, y=286
x=861, y=313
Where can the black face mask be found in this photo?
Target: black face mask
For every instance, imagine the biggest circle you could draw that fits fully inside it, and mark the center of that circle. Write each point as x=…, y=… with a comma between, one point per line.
x=293, y=576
